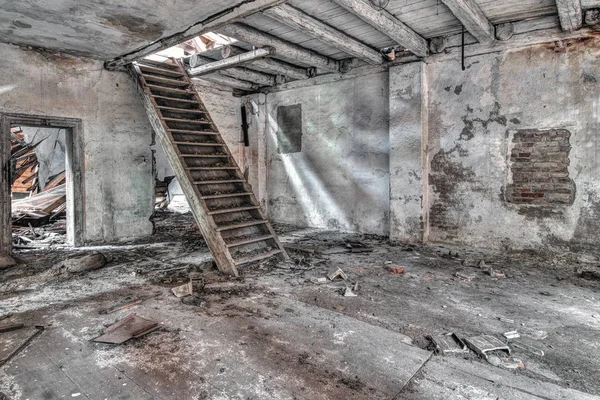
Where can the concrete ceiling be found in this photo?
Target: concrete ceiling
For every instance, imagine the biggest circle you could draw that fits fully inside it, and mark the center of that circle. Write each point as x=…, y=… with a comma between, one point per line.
x=101, y=29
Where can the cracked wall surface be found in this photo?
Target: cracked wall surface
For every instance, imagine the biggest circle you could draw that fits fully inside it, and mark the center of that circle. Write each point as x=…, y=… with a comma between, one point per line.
x=117, y=176
x=473, y=116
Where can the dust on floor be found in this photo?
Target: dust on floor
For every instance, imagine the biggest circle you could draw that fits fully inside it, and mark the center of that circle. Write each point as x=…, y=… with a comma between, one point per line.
x=274, y=334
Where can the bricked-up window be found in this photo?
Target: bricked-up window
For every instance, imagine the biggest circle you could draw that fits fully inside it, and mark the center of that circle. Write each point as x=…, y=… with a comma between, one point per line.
x=539, y=165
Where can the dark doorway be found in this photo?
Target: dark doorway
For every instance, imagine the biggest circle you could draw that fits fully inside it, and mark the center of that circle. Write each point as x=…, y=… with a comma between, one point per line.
x=41, y=160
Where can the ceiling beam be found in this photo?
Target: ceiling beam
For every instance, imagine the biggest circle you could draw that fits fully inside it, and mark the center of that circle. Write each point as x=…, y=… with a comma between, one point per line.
x=473, y=19
x=283, y=48
x=388, y=24
x=303, y=22
x=251, y=76
x=227, y=81
x=237, y=73
x=231, y=61
x=570, y=14
x=236, y=13
x=267, y=65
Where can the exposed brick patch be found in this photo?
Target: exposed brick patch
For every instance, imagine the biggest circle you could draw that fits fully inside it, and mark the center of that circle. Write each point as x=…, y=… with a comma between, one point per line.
x=539, y=164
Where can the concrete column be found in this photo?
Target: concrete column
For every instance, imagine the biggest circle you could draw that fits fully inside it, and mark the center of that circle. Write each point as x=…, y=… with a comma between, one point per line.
x=408, y=155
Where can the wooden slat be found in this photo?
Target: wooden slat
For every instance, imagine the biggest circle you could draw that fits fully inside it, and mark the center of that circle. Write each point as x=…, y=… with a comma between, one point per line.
x=166, y=81
x=225, y=196
x=199, y=144
x=258, y=257
x=211, y=168
x=182, y=110
x=222, y=182
x=192, y=132
x=204, y=155
x=186, y=121
x=241, y=225
x=233, y=210
x=243, y=242
x=168, y=89
x=157, y=64
x=156, y=70
x=174, y=99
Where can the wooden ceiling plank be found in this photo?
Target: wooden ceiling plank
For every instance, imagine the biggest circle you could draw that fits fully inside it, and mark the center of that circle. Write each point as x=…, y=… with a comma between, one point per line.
x=313, y=27
x=387, y=24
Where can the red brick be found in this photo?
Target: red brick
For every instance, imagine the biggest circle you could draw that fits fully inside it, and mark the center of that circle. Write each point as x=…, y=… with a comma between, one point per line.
x=395, y=269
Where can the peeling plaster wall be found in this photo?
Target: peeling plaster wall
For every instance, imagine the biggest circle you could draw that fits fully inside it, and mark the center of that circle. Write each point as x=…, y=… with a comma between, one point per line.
x=408, y=132
x=472, y=118
x=340, y=178
x=118, y=184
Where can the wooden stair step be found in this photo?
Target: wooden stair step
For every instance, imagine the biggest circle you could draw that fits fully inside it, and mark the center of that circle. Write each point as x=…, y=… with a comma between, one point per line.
x=233, y=210
x=210, y=168
x=225, y=196
x=165, y=81
x=158, y=70
x=158, y=64
x=243, y=242
x=175, y=99
x=241, y=225
x=182, y=110
x=199, y=144
x=192, y=132
x=168, y=89
x=187, y=121
x=204, y=155
x=219, y=182
x=257, y=257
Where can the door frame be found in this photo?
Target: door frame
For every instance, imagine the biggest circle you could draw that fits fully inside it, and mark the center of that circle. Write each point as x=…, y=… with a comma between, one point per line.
x=74, y=167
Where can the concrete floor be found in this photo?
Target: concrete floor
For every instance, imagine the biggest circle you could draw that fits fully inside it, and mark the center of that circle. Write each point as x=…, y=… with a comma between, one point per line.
x=276, y=335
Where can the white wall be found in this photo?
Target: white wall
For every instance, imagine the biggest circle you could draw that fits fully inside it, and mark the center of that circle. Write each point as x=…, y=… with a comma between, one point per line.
x=340, y=179
x=117, y=175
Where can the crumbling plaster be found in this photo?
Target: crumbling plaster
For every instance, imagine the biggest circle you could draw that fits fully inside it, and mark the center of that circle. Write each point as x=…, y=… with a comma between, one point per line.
x=117, y=176
x=472, y=117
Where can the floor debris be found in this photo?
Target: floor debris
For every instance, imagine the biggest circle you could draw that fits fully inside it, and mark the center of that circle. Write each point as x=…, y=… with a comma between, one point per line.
x=349, y=293
x=484, y=344
x=335, y=273
x=6, y=261
x=11, y=327
x=528, y=348
x=395, y=269
x=495, y=273
x=449, y=343
x=130, y=327
x=505, y=362
x=8, y=352
x=184, y=290
x=511, y=335
x=121, y=306
x=88, y=262
x=464, y=277
x=318, y=280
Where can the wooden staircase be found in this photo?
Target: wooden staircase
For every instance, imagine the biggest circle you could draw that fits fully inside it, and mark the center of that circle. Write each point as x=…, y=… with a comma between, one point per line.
x=227, y=212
